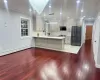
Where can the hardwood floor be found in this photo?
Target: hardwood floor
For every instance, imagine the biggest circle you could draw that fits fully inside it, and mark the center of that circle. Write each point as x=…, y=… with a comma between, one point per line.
x=42, y=64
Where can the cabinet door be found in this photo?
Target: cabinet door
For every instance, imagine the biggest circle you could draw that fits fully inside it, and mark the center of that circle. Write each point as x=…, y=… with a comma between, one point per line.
x=37, y=42
x=41, y=42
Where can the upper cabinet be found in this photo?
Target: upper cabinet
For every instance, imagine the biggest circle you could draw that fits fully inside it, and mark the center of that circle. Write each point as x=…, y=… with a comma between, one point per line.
x=39, y=24
x=34, y=22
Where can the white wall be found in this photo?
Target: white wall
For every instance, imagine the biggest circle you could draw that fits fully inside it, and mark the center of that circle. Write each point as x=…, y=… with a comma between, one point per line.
x=96, y=42
x=11, y=40
x=56, y=30
x=98, y=54
x=83, y=33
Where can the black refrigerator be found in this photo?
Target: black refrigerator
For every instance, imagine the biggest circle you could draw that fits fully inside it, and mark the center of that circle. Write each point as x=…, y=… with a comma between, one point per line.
x=76, y=36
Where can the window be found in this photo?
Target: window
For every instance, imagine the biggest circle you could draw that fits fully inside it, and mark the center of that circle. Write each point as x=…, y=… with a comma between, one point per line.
x=24, y=27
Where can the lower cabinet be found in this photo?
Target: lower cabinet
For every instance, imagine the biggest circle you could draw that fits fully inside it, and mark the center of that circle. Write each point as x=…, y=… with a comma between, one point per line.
x=55, y=44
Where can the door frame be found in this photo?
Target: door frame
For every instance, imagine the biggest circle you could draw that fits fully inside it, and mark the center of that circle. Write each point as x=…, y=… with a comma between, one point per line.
x=86, y=32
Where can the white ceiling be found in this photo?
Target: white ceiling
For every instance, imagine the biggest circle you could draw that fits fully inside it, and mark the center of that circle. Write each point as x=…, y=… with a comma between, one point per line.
x=17, y=5
x=69, y=9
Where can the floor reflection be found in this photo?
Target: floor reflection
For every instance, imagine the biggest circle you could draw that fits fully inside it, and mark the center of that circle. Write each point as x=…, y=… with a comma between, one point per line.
x=62, y=66
x=50, y=71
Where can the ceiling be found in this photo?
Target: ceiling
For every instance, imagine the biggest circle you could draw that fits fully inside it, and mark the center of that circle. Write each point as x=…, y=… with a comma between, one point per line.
x=67, y=7
x=70, y=9
x=22, y=6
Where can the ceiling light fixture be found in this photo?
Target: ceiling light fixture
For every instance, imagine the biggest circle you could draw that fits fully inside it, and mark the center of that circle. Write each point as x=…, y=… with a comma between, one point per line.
x=60, y=13
x=6, y=5
x=49, y=6
x=82, y=10
x=5, y=1
x=78, y=1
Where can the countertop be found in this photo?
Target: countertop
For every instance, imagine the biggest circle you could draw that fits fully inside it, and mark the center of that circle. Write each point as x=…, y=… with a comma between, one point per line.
x=50, y=37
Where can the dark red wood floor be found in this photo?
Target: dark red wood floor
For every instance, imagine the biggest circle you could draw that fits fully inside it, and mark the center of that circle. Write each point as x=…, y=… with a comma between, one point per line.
x=42, y=64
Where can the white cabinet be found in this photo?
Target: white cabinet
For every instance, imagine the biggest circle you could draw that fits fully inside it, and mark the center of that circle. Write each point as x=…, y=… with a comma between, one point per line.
x=49, y=43
x=39, y=24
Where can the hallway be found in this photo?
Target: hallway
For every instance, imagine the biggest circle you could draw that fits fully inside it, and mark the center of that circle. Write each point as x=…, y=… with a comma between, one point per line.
x=42, y=64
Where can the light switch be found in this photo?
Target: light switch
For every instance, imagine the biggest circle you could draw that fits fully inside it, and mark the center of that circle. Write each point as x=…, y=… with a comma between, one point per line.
x=5, y=24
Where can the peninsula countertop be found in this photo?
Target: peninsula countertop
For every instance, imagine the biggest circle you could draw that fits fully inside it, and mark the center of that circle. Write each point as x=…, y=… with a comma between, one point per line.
x=50, y=37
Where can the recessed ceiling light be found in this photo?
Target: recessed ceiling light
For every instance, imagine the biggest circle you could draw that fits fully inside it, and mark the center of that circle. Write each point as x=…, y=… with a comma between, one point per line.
x=78, y=1
x=82, y=10
x=5, y=1
x=60, y=13
x=49, y=6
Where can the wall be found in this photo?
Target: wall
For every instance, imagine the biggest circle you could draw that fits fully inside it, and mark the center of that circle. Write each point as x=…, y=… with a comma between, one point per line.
x=18, y=66
x=56, y=30
x=98, y=55
x=96, y=41
x=83, y=32
x=11, y=40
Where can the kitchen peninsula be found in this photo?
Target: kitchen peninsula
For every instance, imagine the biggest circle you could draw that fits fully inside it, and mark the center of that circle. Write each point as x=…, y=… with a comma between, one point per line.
x=48, y=42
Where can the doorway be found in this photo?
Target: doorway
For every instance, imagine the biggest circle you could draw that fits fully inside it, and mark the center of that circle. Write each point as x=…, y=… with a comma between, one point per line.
x=89, y=32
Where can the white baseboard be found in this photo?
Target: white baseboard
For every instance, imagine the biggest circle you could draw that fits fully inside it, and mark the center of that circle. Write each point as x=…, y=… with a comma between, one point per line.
x=13, y=50
x=97, y=66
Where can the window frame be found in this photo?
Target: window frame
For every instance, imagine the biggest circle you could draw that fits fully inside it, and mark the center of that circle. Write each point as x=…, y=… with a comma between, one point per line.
x=29, y=26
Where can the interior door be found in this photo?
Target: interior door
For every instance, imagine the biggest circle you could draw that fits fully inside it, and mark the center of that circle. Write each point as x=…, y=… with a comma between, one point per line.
x=89, y=32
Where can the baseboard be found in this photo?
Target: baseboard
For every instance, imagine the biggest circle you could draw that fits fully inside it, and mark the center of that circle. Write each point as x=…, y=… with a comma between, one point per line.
x=97, y=66
x=14, y=50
